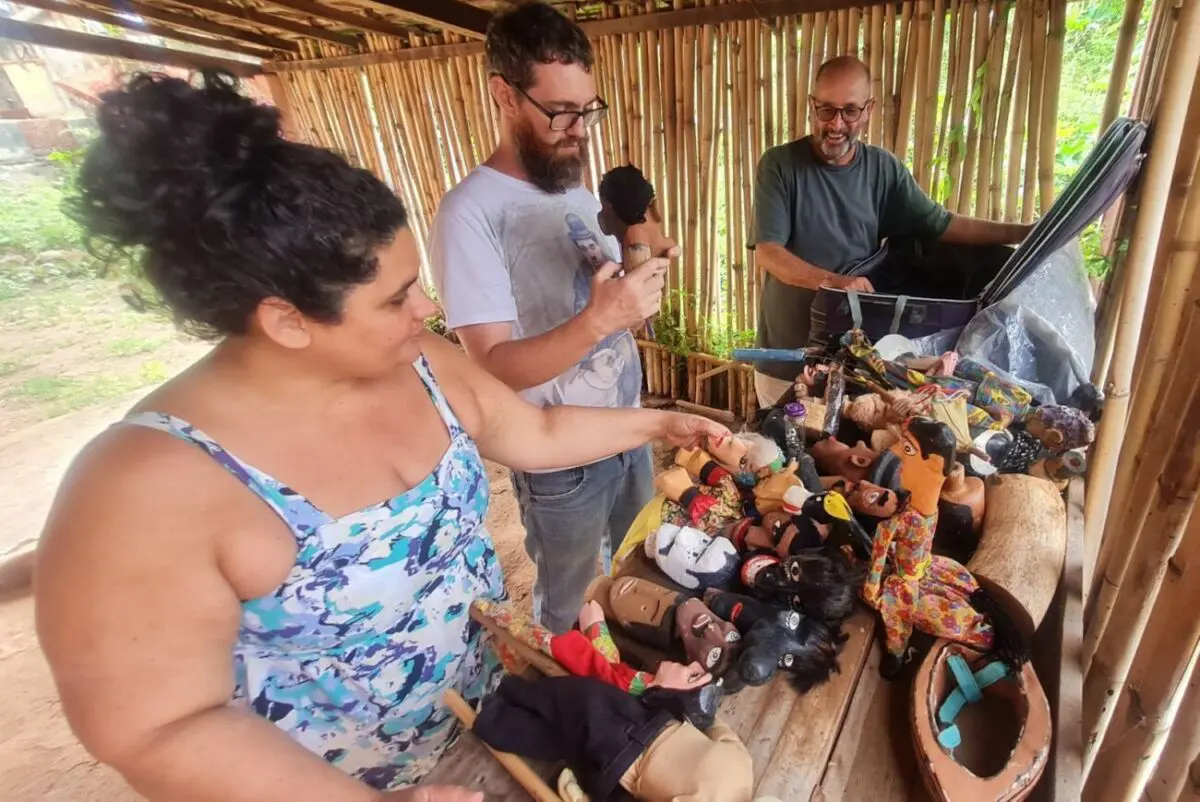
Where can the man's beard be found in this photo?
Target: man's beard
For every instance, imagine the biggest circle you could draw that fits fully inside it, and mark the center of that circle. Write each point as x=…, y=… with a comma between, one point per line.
x=833, y=152
x=547, y=168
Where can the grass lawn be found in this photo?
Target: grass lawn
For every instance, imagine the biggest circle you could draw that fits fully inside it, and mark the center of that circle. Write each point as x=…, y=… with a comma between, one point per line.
x=67, y=339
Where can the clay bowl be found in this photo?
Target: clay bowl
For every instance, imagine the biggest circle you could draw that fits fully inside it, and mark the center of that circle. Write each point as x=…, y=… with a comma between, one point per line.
x=1005, y=736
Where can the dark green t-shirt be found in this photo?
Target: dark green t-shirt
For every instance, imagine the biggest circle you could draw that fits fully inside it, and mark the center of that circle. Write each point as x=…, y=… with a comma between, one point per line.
x=832, y=217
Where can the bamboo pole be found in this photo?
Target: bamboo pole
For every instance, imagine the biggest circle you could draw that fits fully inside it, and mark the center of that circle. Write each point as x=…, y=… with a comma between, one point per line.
x=804, y=81
x=924, y=81
x=1185, y=166
x=943, y=131
x=991, y=101
x=1158, y=539
x=1129, y=521
x=929, y=117
x=1047, y=149
x=874, y=59
x=999, y=178
x=1119, y=77
x=1019, y=115
x=1157, y=680
x=1180, y=288
x=888, y=102
x=1037, y=85
x=1181, y=73
x=1181, y=749
x=908, y=77
x=691, y=159
x=958, y=107
x=974, y=112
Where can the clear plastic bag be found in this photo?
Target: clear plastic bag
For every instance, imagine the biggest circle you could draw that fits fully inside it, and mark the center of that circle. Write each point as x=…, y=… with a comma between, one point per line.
x=1042, y=335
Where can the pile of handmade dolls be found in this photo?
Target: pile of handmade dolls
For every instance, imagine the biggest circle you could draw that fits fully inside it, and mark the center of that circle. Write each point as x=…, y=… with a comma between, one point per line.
x=863, y=484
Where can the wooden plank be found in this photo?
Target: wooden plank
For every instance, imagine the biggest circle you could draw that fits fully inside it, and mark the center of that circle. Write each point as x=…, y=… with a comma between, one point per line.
x=1066, y=757
x=360, y=21
x=876, y=733
x=808, y=738
x=106, y=18
x=192, y=22
x=116, y=48
x=257, y=17
x=450, y=15
x=662, y=20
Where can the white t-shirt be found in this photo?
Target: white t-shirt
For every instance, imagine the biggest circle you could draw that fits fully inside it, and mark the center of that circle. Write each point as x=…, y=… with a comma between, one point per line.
x=504, y=251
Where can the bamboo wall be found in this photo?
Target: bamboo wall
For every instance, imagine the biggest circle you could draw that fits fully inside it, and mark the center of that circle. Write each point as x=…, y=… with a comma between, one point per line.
x=967, y=94
x=1141, y=705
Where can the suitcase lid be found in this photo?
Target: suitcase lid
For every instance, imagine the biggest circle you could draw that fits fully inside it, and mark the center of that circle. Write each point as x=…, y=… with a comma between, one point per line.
x=1104, y=175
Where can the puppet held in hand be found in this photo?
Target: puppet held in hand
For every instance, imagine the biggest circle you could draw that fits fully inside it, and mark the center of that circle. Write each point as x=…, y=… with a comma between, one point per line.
x=913, y=588
x=776, y=639
x=613, y=740
x=667, y=621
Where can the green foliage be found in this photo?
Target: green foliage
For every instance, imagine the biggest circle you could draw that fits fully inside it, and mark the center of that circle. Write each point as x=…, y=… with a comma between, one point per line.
x=58, y=395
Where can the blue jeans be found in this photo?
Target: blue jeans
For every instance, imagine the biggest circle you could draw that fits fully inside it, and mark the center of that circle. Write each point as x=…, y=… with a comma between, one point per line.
x=574, y=519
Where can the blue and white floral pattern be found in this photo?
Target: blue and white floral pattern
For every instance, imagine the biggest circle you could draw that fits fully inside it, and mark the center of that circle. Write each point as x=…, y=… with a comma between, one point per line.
x=352, y=653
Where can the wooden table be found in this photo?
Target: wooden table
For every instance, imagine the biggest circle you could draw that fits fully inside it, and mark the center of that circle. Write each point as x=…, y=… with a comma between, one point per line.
x=844, y=740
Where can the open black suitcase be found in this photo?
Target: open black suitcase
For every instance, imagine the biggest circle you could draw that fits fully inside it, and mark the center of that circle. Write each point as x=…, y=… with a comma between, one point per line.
x=958, y=281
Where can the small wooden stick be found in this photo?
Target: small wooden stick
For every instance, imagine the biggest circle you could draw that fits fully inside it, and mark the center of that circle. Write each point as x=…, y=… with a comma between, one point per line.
x=518, y=768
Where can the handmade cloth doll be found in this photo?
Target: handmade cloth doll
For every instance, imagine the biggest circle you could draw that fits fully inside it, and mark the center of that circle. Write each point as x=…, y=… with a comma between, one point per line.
x=823, y=586
x=707, y=507
x=1060, y=428
x=909, y=585
x=835, y=458
x=613, y=740
x=589, y=651
x=668, y=621
x=693, y=559
x=776, y=639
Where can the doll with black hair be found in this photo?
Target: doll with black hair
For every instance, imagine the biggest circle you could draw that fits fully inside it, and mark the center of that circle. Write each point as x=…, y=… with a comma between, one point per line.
x=628, y=212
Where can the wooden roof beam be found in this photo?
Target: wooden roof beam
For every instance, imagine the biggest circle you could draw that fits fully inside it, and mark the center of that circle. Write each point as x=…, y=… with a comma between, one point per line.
x=450, y=15
x=257, y=17
x=61, y=39
x=192, y=22
x=150, y=28
x=363, y=22
x=659, y=20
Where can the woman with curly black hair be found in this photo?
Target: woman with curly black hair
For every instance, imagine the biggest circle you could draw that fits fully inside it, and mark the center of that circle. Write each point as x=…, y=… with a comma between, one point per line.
x=256, y=585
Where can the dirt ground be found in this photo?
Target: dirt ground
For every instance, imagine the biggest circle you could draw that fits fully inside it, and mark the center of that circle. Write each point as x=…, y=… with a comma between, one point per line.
x=40, y=760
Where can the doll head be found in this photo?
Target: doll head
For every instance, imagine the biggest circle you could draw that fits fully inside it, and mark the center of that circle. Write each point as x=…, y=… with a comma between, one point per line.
x=625, y=197
x=835, y=458
x=1061, y=428
x=926, y=454
x=707, y=640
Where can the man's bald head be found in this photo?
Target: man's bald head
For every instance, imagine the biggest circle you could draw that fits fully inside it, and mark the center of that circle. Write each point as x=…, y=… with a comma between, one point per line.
x=841, y=108
x=843, y=69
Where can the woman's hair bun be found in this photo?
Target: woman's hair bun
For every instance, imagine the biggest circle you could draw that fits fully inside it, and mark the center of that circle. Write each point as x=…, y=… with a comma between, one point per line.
x=166, y=150
x=222, y=211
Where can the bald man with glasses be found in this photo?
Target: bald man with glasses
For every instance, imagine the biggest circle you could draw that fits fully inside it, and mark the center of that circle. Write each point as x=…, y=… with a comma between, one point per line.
x=824, y=203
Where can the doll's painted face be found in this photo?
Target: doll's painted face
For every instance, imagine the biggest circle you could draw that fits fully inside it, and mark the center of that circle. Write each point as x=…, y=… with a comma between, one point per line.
x=920, y=474
x=708, y=640
x=864, y=497
x=835, y=458
x=641, y=601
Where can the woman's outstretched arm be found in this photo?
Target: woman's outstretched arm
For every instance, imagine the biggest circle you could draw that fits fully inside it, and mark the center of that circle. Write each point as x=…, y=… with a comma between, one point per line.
x=517, y=434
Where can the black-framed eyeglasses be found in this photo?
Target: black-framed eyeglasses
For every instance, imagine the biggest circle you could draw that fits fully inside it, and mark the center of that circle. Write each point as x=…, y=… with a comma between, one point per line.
x=564, y=120
x=850, y=114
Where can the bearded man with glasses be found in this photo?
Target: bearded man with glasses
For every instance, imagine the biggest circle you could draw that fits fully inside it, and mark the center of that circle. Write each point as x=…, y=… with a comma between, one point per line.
x=824, y=203
x=528, y=283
